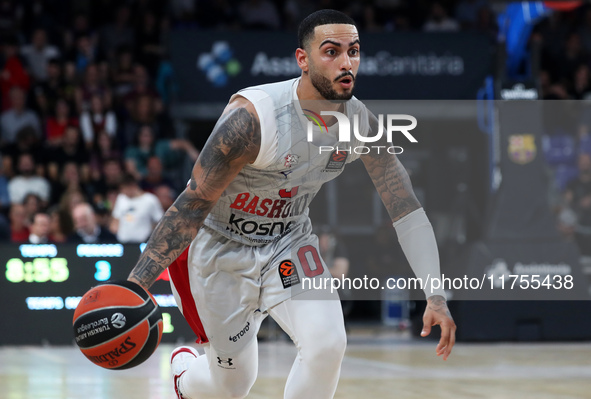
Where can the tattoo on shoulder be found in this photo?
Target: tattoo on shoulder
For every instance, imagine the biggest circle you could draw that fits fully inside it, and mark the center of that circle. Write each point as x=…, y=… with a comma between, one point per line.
x=236, y=135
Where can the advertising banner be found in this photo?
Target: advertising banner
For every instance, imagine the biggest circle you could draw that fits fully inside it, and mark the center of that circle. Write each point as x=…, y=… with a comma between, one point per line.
x=211, y=66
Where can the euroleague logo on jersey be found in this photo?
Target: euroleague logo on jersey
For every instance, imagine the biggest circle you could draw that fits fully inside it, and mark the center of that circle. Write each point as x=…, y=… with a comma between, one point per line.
x=338, y=156
x=288, y=273
x=286, y=268
x=344, y=135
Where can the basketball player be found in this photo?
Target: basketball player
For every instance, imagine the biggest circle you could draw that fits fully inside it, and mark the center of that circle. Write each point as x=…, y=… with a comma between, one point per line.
x=238, y=239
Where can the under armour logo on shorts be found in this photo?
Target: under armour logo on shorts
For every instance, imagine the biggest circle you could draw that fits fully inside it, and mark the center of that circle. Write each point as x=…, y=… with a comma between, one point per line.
x=227, y=361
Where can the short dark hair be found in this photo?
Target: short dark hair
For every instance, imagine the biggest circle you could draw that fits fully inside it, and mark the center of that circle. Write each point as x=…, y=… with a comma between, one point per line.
x=128, y=180
x=321, y=17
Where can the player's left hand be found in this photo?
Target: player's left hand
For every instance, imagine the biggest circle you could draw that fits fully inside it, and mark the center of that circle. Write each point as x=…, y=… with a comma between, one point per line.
x=437, y=313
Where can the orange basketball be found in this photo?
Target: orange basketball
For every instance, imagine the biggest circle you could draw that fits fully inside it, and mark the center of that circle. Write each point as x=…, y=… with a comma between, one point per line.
x=117, y=325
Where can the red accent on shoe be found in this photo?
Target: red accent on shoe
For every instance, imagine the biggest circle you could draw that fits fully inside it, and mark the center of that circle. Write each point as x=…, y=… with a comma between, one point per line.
x=180, y=350
x=176, y=388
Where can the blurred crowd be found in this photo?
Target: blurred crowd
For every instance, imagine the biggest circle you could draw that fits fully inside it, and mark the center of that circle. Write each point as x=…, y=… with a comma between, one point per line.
x=564, y=40
x=88, y=150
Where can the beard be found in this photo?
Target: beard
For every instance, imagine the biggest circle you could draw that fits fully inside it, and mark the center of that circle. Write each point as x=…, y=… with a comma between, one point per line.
x=324, y=86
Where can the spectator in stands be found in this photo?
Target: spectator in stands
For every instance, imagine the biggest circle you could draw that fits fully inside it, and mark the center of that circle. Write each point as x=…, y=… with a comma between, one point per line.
x=142, y=90
x=79, y=27
x=439, y=21
x=117, y=34
x=40, y=229
x=56, y=231
x=13, y=73
x=19, y=226
x=86, y=53
x=104, y=147
x=143, y=112
x=56, y=125
x=70, y=199
x=165, y=195
x=572, y=56
x=17, y=117
x=149, y=49
x=577, y=197
x=69, y=181
x=581, y=85
x=154, y=176
x=135, y=212
x=33, y=204
x=122, y=72
x=146, y=145
x=26, y=142
x=169, y=151
x=71, y=150
x=86, y=228
x=49, y=91
x=92, y=86
x=38, y=53
x=259, y=14
x=70, y=83
x=108, y=180
x=4, y=197
x=95, y=120
x=26, y=181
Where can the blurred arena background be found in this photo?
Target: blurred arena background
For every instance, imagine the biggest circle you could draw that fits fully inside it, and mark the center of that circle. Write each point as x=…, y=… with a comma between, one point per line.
x=91, y=90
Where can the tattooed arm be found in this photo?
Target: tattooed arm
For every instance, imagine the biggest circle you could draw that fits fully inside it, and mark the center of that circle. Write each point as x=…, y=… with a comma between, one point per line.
x=415, y=235
x=390, y=178
x=234, y=142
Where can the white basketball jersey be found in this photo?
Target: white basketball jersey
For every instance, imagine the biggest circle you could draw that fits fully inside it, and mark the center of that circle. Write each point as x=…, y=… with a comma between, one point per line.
x=267, y=198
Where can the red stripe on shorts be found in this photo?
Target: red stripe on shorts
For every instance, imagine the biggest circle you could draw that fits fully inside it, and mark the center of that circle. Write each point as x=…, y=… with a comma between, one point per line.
x=179, y=273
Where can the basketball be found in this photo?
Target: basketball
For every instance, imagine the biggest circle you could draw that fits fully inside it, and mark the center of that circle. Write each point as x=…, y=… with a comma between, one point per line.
x=117, y=325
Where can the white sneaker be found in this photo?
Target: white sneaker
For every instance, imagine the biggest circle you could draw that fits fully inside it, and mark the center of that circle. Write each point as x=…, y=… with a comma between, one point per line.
x=179, y=363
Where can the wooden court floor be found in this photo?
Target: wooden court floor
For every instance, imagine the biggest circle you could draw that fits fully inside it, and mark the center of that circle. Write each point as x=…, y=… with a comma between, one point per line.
x=374, y=367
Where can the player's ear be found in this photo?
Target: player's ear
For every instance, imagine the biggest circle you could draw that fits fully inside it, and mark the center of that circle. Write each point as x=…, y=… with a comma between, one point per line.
x=302, y=59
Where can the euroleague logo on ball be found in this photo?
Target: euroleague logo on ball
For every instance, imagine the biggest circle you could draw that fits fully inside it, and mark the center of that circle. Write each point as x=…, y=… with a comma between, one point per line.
x=286, y=268
x=118, y=320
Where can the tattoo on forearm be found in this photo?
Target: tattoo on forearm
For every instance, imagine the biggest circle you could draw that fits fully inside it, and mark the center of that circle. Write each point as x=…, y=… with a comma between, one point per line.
x=393, y=184
x=438, y=304
x=172, y=235
x=236, y=136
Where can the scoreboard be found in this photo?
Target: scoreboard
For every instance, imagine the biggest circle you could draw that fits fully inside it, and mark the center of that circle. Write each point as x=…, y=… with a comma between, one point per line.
x=41, y=285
